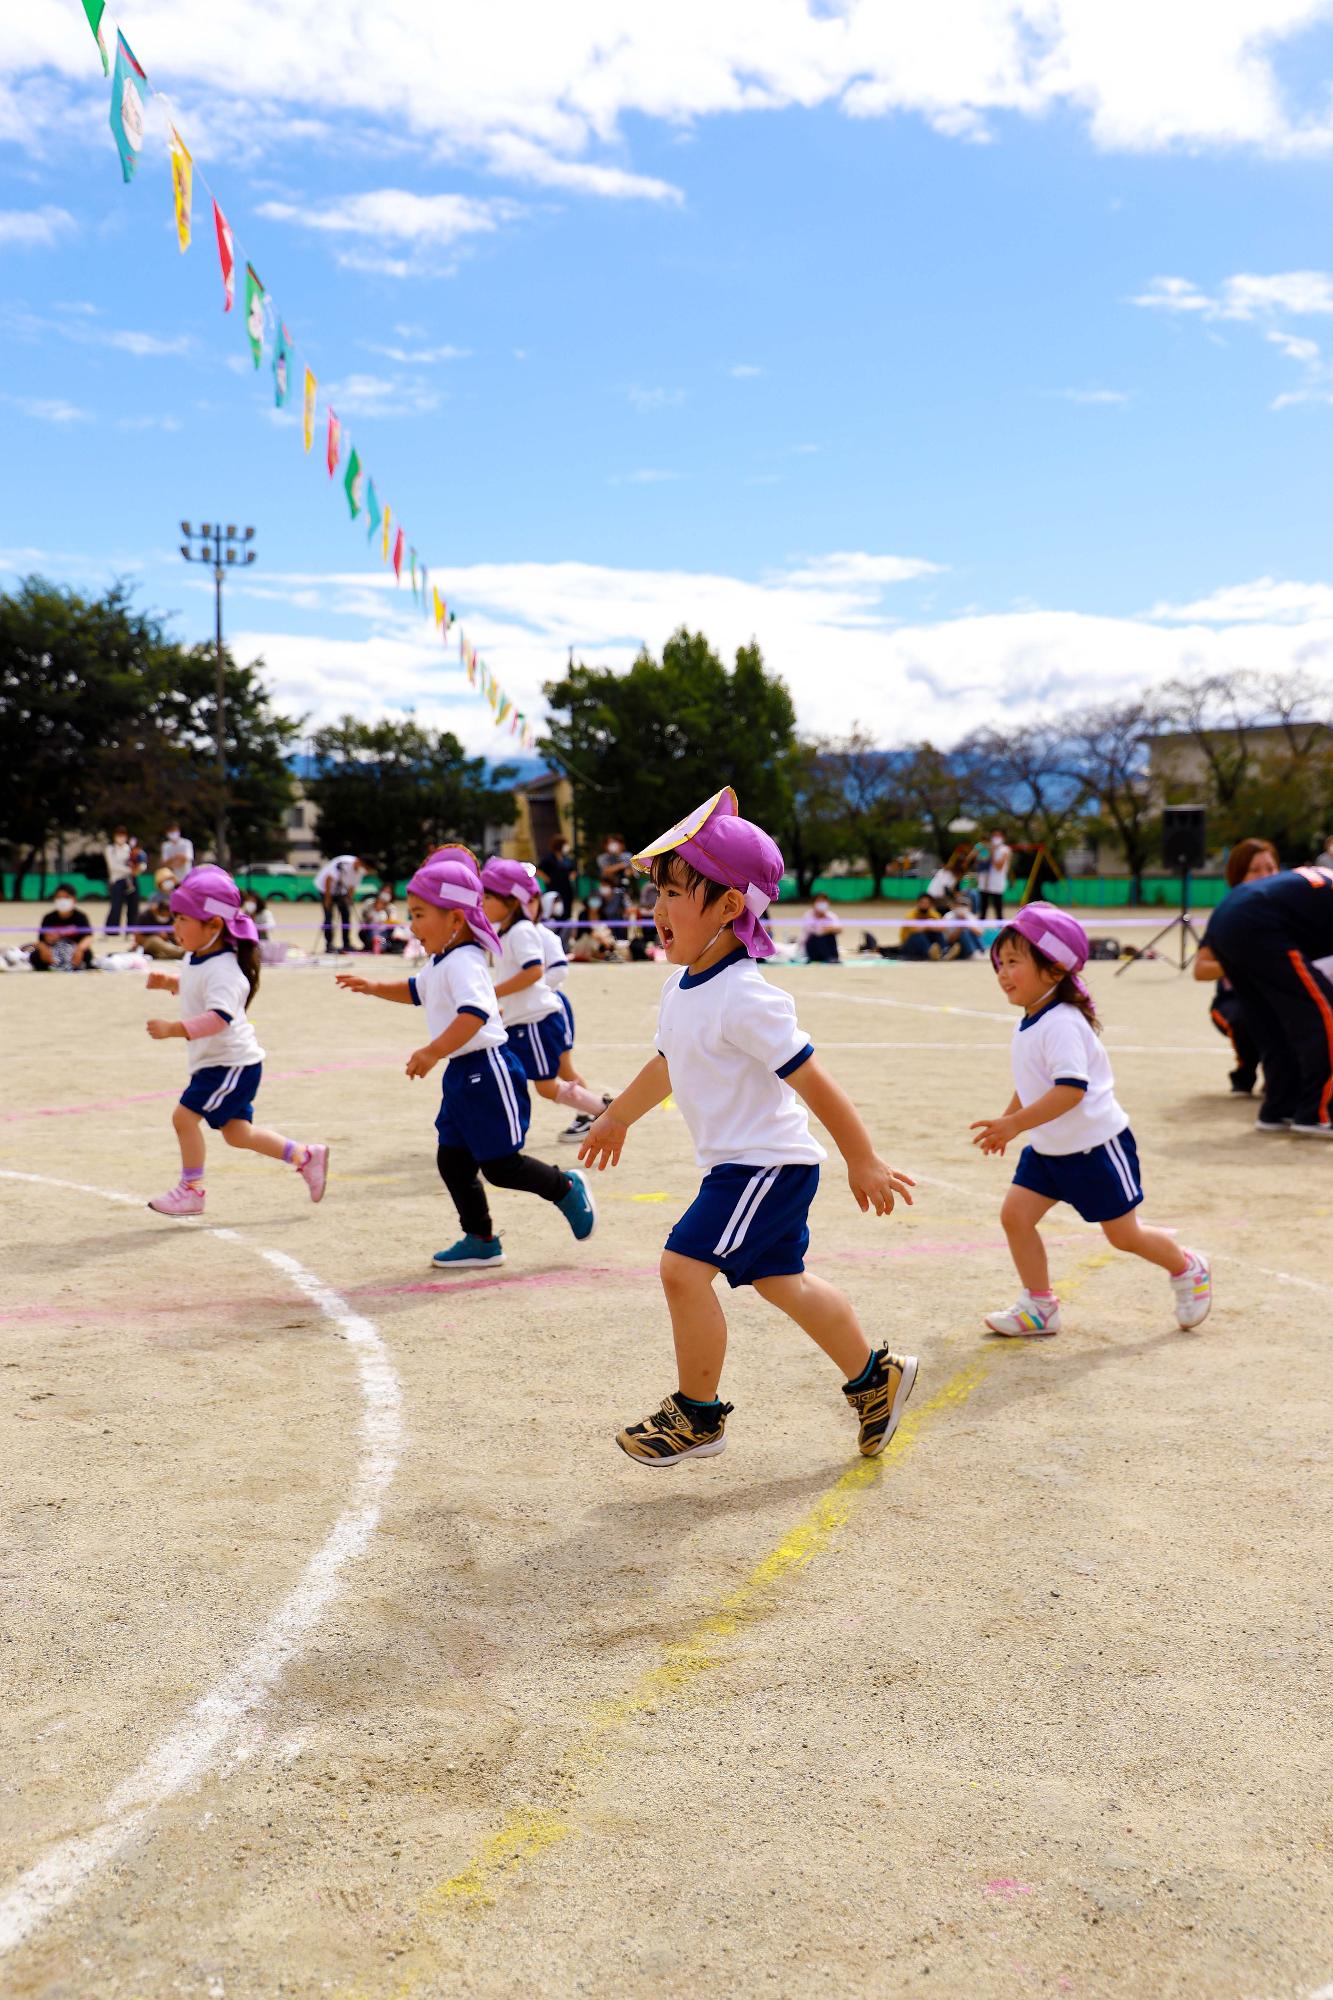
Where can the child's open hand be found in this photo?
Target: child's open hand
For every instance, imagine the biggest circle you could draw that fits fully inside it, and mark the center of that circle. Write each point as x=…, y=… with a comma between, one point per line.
x=875, y=1185
x=161, y=982
x=602, y=1146
x=993, y=1134
x=160, y=1031
x=353, y=982
x=421, y=1062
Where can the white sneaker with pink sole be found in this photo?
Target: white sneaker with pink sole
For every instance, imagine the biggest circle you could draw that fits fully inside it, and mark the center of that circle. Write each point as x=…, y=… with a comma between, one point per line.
x=314, y=1171
x=180, y=1200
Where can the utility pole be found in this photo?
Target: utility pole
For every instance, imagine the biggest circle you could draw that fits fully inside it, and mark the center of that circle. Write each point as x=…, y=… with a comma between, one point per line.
x=223, y=548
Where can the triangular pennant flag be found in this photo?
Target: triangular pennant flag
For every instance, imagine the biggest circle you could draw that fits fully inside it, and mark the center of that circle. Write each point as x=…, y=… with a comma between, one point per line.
x=308, y=410
x=282, y=363
x=354, y=483
x=254, y=313
x=95, y=9
x=413, y=561
x=398, y=545
x=127, y=107
x=226, y=258
x=439, y=608
x=375, y=511
x=335, y=443
x=182, y=182
x=388, y=516
x=425, y=578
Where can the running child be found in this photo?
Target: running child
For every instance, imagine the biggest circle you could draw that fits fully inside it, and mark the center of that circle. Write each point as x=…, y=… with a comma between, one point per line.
x=216, y=983
x=535, y=1020
x=556, y=964
x=484, y=1111
x=1081, y=1149
x=744, y=1077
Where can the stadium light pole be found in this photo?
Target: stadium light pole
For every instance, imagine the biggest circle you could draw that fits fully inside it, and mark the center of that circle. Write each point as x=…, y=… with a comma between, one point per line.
x=224, y=548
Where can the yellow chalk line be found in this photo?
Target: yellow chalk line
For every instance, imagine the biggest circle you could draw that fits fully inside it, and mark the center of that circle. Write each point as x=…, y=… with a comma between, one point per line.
x=528, y=1832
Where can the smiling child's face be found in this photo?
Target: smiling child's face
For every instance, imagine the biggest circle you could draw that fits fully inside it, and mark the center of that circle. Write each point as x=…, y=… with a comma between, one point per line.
x=1023, y=982
x=435, y=929
x=684, y=925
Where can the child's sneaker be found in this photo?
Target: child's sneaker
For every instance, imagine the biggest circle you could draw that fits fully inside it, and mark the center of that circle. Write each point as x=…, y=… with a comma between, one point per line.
x=180, y=1200
x=314, y=1171
x=1027, y=1318
x=578, y=1207
x=670, y=1435
x=879, y=1402
x=1194, y=1291
x=469, y=1254
x=577, y=1130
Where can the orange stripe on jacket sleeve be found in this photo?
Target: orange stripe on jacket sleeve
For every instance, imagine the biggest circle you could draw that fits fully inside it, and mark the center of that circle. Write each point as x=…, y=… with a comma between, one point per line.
x=1311, y=985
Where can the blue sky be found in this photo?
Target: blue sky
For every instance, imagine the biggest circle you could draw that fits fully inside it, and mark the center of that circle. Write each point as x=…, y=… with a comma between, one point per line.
x=975, y=366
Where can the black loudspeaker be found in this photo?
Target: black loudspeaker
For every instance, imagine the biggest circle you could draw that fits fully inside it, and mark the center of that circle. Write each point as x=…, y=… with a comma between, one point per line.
x=1184, y=834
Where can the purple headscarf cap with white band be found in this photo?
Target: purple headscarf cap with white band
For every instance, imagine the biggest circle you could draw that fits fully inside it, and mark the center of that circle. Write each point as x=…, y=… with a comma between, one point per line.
x=1055, y=933
x=454, y=884
x=730, y=850
x=208, y=891
x=509, y=878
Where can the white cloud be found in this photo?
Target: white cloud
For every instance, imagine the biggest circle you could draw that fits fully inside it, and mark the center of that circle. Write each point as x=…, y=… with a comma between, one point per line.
x=1245, y=296
x=841, y=656
x=744, y=371
x=849, y=566
x=1265, y=601
x=430, y=220
x=548, y=93
x=646, y=475
x=1093, y=397
x=417, y=357
x=654, y=399
x=34, y=228
x=50, y=409
x=145, y=345
x=380, y=396
x=148, y=423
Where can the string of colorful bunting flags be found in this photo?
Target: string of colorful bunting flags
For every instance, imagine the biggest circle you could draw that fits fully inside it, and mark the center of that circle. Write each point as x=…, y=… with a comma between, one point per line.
x=267, y=331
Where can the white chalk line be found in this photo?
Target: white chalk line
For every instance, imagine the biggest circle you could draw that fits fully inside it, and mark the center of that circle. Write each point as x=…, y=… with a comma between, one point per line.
x=980, y=1014
x=201, y=1739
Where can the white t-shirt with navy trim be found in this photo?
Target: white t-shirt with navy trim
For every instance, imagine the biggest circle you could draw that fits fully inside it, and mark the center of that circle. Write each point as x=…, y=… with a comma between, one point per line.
x=730, y=1041
x=553, y=955
x=215, y=984
x=520, y=950
x=1056, y=1045
x=458, y=981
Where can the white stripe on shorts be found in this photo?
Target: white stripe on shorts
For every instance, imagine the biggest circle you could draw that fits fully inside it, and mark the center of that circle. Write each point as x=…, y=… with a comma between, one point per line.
x=538, y=1048
x=744, y=1212
x=227, y=1085
x=507, y=1096
x=1123, y=1168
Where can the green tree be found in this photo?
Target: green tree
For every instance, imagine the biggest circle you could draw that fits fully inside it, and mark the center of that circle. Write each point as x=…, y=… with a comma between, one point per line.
x=104, y=718
x=872, y=810
x=816, y=827
x=1111, y=750
x=392, y=791
x=642, y=747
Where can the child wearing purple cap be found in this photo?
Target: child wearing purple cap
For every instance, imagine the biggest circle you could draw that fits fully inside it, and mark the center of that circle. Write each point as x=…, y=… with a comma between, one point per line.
x=216, y=983
x=1081, y=1149
x=744, y=1077
x=484, y=1111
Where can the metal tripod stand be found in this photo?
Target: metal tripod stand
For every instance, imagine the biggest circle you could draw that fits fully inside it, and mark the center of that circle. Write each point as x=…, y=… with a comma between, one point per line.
x=1188, y=939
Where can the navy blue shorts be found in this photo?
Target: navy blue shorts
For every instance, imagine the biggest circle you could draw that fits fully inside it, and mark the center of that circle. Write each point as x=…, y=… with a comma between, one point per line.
x=568, y=1012
x=1101, y=1184
x=220, y=1094
x=484, y=1104
x=539, y=1046
x=749, y=1221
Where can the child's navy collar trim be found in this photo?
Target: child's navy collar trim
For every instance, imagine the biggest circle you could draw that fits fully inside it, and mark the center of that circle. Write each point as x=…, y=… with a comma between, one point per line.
x=224, y=943
x=1031, y=1020
x=689, y=978
x=461, y=945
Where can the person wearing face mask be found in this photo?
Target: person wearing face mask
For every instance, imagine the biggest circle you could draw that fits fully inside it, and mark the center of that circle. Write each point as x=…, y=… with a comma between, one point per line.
x=995, y=858
x=124, y=858
x=819, y=933
x=177, y=851
x=64, y=938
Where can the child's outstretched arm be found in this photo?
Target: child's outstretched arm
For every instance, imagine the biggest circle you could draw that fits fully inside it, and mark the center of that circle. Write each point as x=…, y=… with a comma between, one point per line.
x=874, y=1183
x=447, y=1043
x=163, y=982
x=389, y=989
x=994, y=1134
x=607, y=1134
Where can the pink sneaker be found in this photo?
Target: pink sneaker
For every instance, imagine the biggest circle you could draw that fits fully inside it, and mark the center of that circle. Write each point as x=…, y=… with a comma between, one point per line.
x=315, y=1172
x=180, y=1200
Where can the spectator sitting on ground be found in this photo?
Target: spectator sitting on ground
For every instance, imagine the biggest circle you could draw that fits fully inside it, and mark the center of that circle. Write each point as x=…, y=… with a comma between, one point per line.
x=156, y=937
x=819, y=933
x=960, y=940
x=64, y=937
x=917, y=944
x=258, y=911
x=590, y=938
x=381, y=928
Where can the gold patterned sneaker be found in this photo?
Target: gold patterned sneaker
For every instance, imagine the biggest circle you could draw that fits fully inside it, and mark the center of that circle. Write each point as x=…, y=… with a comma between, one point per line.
x=880, y=1397
x=670, y=1435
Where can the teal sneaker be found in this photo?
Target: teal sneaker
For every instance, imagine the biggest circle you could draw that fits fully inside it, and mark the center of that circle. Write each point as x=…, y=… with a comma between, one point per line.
x=469, y=1254
x=578, y=1207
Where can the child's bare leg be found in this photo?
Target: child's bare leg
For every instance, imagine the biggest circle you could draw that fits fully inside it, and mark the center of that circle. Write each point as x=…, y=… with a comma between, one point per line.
x=545, y=1086
x=1128, y=1233
x=698, y=1325
x=190, y=1133
x=1021, y=1213
x=823, y=1313
x=568, y=1073
x=257, y=1139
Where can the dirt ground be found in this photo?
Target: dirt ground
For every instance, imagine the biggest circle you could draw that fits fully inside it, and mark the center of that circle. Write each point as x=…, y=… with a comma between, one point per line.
x=344, y=1654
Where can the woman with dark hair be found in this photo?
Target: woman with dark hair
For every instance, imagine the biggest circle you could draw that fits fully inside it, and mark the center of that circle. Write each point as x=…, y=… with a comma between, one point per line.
x=1248, y=861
